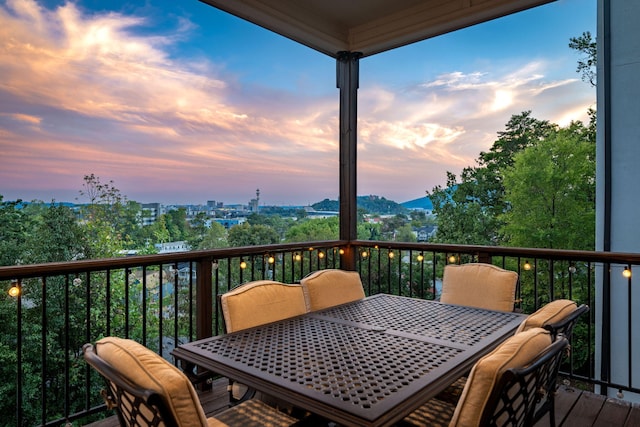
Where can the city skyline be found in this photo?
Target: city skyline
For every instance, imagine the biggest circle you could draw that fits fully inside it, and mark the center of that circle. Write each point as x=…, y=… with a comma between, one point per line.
x=184, y=103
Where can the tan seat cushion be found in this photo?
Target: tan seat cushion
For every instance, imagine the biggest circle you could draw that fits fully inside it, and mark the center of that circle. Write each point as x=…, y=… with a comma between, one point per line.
x=330, y=287
x=550, y=313
x=148, y=370
x=479, y=285
x=259, y=302
x=517, y=351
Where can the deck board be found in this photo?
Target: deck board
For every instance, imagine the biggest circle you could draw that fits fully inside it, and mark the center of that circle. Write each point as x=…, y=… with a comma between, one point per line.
x=585, y=411
x=633, y=418
x=573, y=408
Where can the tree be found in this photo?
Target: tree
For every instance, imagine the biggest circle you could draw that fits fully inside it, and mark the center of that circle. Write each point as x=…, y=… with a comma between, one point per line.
x=177, y=225
x=275, y=221
x=314, y=229
x=199, y=229
x=405, y=234
x=216, y=237
x=14, y=227
x=56, y=237
x=251, y=235
x=467, y=209
x=551, y=193
x=105, y=217
x=390, y=226
x=586, y=45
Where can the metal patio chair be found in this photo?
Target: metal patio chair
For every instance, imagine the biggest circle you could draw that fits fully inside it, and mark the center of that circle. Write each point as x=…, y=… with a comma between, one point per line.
x=479, y=285
x=256, y=303
x=146, y=390
x=331, y=287
x=504, y=388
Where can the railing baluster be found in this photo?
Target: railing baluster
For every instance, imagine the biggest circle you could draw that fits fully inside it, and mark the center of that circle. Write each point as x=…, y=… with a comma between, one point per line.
x=145, y=290
x=127, y=285
x=67, y=347
x=43, y=354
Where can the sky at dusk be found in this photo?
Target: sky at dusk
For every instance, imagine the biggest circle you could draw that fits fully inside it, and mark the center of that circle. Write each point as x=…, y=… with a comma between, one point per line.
x=178, y=102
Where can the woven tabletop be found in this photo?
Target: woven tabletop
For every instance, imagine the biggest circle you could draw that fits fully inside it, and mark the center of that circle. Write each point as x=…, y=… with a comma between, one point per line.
x=364, y=363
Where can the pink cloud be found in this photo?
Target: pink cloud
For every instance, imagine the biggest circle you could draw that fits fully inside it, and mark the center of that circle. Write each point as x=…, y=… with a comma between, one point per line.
x=86, y=93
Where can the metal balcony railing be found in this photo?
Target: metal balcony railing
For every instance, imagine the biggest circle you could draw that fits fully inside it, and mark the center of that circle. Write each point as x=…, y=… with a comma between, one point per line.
x=164, y=300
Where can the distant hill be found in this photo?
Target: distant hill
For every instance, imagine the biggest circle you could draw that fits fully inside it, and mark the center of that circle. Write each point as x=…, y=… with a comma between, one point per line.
x=421, y=203
x=372, y=204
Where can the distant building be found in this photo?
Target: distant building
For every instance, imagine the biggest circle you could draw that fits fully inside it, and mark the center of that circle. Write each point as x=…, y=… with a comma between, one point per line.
x=254, y=204
x=170, y=247
x=150, y=213
x=425, y=233
x=229, y=222
x=312, y=213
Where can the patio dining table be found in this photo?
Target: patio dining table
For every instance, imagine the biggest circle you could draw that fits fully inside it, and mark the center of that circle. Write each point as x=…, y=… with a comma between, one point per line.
x=366, y=363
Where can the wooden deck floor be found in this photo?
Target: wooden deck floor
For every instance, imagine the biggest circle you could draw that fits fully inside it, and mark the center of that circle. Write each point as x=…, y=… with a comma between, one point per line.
x=574, y=408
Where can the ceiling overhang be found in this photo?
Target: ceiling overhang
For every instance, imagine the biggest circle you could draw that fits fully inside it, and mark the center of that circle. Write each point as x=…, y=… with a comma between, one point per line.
x=367, y=26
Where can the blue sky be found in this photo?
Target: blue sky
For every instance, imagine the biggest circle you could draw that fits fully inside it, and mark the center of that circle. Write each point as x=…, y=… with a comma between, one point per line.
x=177, y=102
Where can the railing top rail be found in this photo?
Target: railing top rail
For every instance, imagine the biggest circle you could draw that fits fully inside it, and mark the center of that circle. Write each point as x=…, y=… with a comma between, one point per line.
x=558, y=254
x=35, y=270
x=54, y=268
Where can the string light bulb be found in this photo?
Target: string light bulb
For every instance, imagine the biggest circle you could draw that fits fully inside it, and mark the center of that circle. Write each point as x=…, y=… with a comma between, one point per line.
x=452, y=259
x=341, y=251
x=526, y=265
x=420, y=257
x=297, y=257
x=243, y=265
x=320, y=254
x=626, y=272
x=391, y=254
x=271, y=259
x=365, y=254
x=14, y=290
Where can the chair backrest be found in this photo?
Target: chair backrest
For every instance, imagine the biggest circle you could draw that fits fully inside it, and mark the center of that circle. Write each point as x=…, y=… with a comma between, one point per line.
x=523, y=393
x=145, y=389
x=330, y=287
x=259, y=302
x=505, y=386
x=558, y=316
x=565, y=326
x=479, y=285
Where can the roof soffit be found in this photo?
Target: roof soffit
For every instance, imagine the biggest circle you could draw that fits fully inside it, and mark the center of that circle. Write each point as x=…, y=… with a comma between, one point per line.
x=367, y=26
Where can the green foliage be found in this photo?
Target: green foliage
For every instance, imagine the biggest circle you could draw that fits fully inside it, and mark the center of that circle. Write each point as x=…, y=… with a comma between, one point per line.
x=314, y=230
x=278, y=223
x=14, y=227
x=327, y=205
x=586, y=45
x=551, y=193
x=370, y=203
x=177, y=225
x=57, y=236
x=199, y=230
x=215, y=237
x=468, y=209
x=246, y=234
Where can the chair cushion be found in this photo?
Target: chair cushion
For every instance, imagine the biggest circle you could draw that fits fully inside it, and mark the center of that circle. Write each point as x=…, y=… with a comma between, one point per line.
x=517, y=351
x=259, y=302
x=330, y=287
x=148, y=370
x=479, y=285
x=550, y=313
